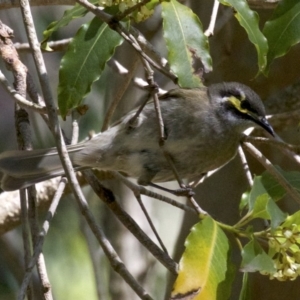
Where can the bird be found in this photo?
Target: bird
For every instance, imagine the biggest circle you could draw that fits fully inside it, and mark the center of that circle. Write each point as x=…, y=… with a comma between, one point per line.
x=203, y=129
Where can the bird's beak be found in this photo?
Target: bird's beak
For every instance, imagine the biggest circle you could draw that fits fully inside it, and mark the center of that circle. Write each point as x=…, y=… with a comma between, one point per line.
x=262, y=122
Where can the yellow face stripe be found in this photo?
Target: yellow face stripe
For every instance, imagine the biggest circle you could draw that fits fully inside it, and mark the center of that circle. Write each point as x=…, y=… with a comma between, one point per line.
x=237, y=104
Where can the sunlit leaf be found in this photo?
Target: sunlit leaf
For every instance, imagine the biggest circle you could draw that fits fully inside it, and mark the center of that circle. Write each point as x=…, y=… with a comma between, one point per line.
x=282, y=30
x=293, y=219
x=250, y=21
x=203, y=266
x=185, y=41
x=83, y=63
x=259, y=209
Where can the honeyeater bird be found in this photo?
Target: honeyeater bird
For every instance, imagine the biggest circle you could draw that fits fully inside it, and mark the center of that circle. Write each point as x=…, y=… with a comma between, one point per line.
x=203, y=129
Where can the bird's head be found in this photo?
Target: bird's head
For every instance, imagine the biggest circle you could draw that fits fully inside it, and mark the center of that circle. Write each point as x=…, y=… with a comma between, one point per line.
x=239, y=104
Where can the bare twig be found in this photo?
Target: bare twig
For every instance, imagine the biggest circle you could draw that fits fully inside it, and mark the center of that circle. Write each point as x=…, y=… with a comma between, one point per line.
x=60, y=45
x=139, y=199
x=108, y=198
x=20, y=100
x=138, y=189
x=40, y=241
x=273, y=171
x=125, y=34
x=119, y=94
x=292, y=151
x=41, y=266
x=245, y=166
x=5, y=4
x=210, y=30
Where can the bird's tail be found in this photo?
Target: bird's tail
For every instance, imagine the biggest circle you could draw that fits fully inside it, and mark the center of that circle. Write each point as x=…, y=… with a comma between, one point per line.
x=21, y=169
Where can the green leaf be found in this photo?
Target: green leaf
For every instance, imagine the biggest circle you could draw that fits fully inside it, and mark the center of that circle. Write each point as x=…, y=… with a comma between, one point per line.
x=266, y=208
x=282, y=30
x=76, y=12
x=293, y=219
x=244, y=200
x=83, y=63
x=259, y=210
x=277, y=216
x=257, y=190
x=250, y=21
x=275, y=190
x=185, y=40
x=254, y=258
x=203, y=266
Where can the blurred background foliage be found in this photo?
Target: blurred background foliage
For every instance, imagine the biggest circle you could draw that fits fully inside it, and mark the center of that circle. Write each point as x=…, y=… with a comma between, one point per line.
x=68, y=259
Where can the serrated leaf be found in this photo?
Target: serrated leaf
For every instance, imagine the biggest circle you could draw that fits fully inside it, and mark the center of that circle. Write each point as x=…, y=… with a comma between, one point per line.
x=185, y=40
x=275, y=190
x=282, y=30
x=83, y=63
x=254, y=258
x=203, y=265
x=76, y=12
x=250, y=21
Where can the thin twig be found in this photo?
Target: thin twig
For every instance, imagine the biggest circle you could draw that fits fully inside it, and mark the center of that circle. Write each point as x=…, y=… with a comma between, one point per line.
x=117, y=26
x=139, y=199
x=26, y=243
x=20, y=100
x=210, y=30
x=41, y=266
x=119, y=94
x=273, y=171
x=40, y=241
x=245, y=166
x=291, y=151
x=108, y=198
x=59, y=45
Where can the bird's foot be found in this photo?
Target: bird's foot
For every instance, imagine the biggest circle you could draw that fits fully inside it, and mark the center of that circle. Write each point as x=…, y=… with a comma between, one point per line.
x=181, y=192
x=184, y=192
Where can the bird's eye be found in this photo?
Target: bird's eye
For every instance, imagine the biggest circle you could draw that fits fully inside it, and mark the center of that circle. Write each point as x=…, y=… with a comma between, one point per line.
x=247, y=106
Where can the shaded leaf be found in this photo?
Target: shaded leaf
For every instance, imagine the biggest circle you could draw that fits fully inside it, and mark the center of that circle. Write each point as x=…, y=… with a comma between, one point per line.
x=257, y=190
x=254, y=258
x=83, y=63
x=277, y=216
x=250, y=21
x=203, y=266
x=266, y=208
x=185, y=40
x=275, y=190
x=76, y=12
x=282, y=30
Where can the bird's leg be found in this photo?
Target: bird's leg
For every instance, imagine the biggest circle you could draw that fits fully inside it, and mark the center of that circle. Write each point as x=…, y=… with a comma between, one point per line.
x=184, y=191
